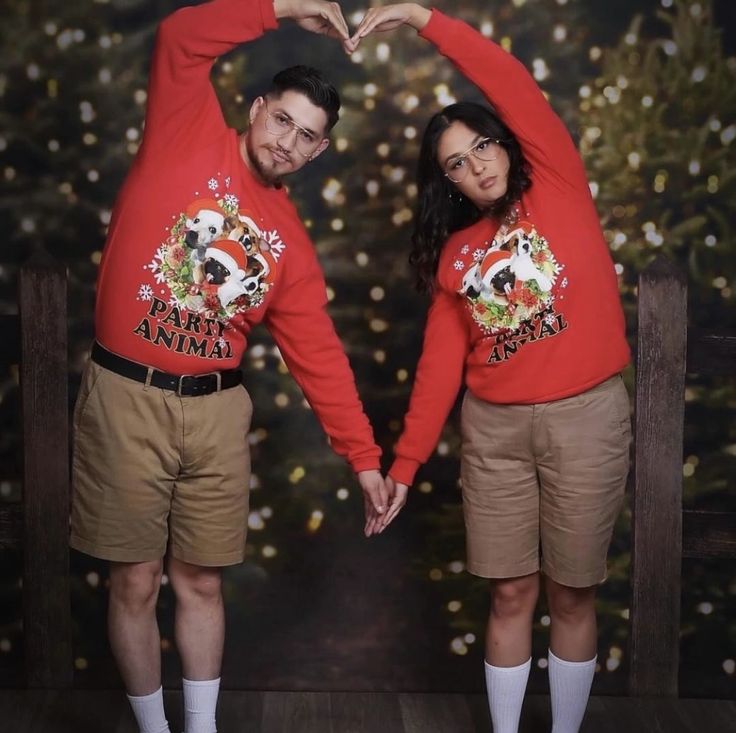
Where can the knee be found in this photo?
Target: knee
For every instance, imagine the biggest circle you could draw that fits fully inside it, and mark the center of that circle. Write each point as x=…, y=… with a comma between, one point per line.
x=514, y=597
x=570, y=604
x=196, y=584
x=135, y=584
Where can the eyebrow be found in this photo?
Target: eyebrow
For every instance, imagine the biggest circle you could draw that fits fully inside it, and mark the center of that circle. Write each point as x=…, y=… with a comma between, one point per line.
x=476, y=140
x=301, y=127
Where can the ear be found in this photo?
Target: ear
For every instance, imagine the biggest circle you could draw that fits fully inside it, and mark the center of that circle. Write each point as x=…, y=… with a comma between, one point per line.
x=320, y=148
x=255, y=108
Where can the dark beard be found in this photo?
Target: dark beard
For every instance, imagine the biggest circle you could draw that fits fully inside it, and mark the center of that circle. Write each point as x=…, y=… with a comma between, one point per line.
x=265, y=175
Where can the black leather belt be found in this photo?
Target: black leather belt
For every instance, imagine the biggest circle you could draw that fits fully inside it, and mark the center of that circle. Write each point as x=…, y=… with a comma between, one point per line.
x=187, y=385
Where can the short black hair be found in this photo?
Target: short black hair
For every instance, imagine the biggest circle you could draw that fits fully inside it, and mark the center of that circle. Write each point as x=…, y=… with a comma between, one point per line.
x=311, y=83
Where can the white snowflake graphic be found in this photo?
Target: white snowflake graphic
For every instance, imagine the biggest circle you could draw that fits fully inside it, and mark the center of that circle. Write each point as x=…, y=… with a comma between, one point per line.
x=230, y=199
x=155, y=263
x=549, y=319
x=173, y=301
x=564, y=282
x=145, y=292
x=227, y=182
x=458, y=265
x=221, y=342
x=213, y=184
x=465, y=249
x=478, y=255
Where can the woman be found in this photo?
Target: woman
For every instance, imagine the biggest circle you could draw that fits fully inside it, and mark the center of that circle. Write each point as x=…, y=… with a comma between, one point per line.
x=525, y=306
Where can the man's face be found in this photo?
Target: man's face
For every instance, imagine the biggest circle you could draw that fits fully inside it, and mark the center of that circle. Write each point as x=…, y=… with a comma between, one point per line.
x=285, y=133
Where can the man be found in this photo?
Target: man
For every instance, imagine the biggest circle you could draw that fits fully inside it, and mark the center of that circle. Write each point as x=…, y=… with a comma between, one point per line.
x=203, y=244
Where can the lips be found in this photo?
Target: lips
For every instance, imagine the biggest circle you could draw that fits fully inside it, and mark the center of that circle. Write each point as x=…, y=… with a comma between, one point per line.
x=278, y=157
x=489, y=182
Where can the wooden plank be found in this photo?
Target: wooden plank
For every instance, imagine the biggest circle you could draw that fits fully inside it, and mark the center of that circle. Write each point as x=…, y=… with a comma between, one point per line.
x=11, y=526
x=10, y=328
x=712, y=353
x=237, y=710
x=287, y=712
x=27, y=711
x=43, y=380
x=365, y=712
x=657, y=496
x=648, y=715
x=434, y=713
x=709, y=534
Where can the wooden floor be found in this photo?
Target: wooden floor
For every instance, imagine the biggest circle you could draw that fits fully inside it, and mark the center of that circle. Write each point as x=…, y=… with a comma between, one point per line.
x=95, y=711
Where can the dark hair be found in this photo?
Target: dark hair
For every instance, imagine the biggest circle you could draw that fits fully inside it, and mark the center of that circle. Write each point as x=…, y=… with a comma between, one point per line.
x=309, y=82
x=440, y=208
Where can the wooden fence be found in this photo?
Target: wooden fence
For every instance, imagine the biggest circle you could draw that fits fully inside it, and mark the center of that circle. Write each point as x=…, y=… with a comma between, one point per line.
x=662, y=533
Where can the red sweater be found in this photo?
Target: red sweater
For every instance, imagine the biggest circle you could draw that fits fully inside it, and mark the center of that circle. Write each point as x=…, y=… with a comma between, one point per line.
x=199, y=251
x=531, y=314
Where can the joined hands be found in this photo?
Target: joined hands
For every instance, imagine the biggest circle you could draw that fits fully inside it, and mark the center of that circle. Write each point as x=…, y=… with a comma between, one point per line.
x=326, y=18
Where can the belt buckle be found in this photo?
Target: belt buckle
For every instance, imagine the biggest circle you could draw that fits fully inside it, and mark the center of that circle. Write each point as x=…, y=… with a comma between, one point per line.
x=195, y=377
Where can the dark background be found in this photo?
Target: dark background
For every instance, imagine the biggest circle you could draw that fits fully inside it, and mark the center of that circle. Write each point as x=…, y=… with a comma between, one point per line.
x=649, y=91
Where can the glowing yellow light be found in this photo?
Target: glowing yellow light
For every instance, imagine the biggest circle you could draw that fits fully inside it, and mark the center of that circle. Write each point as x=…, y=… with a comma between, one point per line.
x=281, y=399
x=315, y=520
x=297, y=475
x=378, y=325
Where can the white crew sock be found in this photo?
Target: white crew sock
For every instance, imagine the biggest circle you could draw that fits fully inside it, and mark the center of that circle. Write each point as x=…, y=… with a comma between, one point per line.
x=200, y=702
x=569, y=686
x=505, y=687
x=149, y=712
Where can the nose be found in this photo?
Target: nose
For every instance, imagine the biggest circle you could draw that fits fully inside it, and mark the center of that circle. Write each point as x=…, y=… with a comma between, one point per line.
x=476, y=164
x=288, y=139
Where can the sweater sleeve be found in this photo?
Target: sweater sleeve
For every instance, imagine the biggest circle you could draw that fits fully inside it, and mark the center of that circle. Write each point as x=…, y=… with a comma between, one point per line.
x=437, y=382
x=306, y=337
x=182, y=105
x=515, y=96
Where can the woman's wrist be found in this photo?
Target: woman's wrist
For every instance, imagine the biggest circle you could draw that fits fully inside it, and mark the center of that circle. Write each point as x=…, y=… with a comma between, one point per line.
x=418, y=16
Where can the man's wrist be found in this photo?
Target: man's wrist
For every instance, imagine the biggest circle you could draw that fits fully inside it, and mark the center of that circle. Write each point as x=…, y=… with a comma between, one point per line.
x=282, y=8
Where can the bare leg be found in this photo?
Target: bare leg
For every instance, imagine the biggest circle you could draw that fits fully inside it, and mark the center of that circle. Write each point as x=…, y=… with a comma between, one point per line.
x=572, y=656
x=200, y=618
x=509, y=631
x=132, y=627
x=573, y=628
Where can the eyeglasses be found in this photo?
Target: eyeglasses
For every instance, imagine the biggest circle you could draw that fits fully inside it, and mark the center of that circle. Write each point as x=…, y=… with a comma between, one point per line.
x=280, y=124
x=456, y=168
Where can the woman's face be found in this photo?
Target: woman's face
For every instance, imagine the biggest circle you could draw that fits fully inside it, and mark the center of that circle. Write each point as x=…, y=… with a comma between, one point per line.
x=477, y=166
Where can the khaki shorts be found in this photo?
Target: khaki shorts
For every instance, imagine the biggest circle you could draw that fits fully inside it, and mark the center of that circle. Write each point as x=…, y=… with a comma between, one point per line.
x=543, y=484
x=151, y=468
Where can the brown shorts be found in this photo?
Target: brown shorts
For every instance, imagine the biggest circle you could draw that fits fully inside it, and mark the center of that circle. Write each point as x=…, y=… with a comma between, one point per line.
x=152, y=468
x=544, y=483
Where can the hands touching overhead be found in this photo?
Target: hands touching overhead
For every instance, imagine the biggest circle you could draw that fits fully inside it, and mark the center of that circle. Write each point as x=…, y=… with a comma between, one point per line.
x=326, y=18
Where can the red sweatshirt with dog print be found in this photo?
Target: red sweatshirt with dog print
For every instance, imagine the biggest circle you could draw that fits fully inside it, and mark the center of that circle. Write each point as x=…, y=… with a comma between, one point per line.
x=199, y=251
x=527, y=310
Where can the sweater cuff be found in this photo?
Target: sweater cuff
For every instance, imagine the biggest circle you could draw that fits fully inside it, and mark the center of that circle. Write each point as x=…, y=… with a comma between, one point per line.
x=403, y=470
x=366, y=463
x=268, y=15
x=433, y=30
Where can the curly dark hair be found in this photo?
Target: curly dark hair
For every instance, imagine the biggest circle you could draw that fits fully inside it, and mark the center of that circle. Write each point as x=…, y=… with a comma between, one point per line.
x=440, y=209
x=312, y=84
